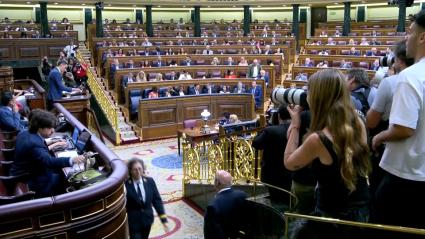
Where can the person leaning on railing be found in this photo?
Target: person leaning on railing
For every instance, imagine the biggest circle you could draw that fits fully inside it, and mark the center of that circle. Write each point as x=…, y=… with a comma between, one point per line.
x=337, y=150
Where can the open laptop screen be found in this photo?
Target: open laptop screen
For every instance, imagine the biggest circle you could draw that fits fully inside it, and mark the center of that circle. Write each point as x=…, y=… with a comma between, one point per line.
x=82, y=140
x=75, y=134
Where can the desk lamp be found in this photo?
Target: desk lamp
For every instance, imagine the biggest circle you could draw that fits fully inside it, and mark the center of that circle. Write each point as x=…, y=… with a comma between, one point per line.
x=205, y=116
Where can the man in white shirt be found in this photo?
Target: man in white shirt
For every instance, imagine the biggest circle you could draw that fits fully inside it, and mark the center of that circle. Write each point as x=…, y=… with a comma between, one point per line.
x=70, y=49
x=379, y=113
x=401, y=195
x=185, y=76
x=207, y=51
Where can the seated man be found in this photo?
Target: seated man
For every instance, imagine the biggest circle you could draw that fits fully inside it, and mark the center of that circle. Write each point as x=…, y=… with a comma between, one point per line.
x=301, y=77
x=308, y=62
x=209, y=89
x=185, y=76
x=207, y=51
x=32, y=156
x=10, y=119
x=264, y=76
x=240, y=88
x=195, y=90
x=225, y=215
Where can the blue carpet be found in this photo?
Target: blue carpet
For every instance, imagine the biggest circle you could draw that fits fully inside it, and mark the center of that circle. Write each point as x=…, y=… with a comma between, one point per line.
x=169, y=161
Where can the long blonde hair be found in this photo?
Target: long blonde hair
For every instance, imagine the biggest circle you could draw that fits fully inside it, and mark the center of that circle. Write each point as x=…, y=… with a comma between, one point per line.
x=331, y=108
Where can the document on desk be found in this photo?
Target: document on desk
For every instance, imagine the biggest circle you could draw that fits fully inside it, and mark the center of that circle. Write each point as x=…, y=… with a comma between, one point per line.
x=67, y=154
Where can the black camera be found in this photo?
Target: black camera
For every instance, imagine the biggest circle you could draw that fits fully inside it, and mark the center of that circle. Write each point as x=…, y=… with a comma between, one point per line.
x=387, y=61
x=295, y=96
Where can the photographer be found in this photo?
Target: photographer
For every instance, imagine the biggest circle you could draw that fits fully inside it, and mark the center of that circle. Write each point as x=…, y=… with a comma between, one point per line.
x=379, y=113
x=45, y=66
x=361, y=92
x=337, y=149
x=404, y=155
x=80, y=73
x=271, y=141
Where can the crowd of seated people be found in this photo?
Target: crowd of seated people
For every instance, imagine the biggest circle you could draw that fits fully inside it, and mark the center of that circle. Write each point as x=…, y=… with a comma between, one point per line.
x=363, y=42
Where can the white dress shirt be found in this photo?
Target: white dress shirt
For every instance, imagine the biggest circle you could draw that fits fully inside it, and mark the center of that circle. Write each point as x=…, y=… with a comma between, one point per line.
x=142, y=188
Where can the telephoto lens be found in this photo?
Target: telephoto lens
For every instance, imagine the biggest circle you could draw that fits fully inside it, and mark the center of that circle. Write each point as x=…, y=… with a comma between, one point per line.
x=295, y=96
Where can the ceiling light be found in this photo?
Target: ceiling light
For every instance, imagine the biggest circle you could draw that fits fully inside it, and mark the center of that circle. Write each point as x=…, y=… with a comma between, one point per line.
x=28, y=2
x=158, y=6
x=56, y=3
x=336, y=3
x=284, y=5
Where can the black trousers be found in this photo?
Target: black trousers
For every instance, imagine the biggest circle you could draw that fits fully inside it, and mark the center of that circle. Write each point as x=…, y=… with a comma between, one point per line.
x=143, y=233
x=400, y=202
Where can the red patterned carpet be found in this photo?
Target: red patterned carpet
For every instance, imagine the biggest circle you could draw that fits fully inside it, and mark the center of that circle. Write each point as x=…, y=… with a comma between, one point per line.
x=164, y=165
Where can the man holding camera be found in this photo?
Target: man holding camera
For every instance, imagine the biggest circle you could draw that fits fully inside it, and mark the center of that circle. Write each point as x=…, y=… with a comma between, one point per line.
x=379, y=113
x=400, y=196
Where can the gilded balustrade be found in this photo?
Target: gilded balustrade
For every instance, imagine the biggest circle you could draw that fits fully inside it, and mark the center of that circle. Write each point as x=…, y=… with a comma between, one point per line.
x=231, y=153
x=108, y=107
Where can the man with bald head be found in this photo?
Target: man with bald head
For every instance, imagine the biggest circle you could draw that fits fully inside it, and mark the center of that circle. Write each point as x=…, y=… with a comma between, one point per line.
x=225, y=215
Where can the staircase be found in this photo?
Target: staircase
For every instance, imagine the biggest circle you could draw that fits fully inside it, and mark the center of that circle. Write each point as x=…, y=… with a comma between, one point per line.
x=127, y=133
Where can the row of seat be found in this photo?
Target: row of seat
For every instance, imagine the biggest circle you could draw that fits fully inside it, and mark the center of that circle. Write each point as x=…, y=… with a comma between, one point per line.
x=12, y=188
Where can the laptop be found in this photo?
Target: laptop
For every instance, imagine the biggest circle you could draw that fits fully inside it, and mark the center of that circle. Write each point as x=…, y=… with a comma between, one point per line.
x=82, y=140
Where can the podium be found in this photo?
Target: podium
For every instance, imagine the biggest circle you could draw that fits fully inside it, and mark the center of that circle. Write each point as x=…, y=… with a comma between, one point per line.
x=76, y=105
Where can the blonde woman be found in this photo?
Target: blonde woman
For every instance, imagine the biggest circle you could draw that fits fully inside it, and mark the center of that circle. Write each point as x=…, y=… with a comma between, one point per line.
x=159, y=77
x=337, y=149
x=141, y=77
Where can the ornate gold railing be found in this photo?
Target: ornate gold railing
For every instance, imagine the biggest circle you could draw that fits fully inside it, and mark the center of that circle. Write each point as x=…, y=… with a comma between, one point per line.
x=106, y=104
x=233, y=154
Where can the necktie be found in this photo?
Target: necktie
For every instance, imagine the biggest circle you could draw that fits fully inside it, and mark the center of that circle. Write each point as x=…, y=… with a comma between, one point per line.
x=139, y=192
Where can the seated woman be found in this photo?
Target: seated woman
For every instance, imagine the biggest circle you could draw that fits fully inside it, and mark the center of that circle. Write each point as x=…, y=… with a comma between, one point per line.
x=336, y=148
x=233, y=119
x=230, y=75
x=224, y=89
x=32, y=156
x=154, y=93
x=141, y=77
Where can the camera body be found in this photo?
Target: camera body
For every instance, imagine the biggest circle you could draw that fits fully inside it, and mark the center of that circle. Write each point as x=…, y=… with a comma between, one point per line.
x=295, y=96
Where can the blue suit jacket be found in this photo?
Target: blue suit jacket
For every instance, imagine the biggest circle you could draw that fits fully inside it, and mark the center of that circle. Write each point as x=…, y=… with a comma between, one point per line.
x=225, y=215
x=258, y=94
x=140, y=213
x=9, y=120
x=33, y=157
x=56, y=85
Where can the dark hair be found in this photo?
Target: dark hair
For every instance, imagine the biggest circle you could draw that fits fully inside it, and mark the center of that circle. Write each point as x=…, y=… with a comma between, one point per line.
x=6, y=97
x=283, y=112
x=400, y=53
x=360, y=76
x=40, y=119
x=62, y=62
x=419, y=18
x=226, y=115
x=132, y=162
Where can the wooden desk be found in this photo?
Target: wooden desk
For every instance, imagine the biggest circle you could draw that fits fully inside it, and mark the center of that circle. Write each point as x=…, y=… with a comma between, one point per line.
x=36, y=101
x=76, y=105
x=162, y=117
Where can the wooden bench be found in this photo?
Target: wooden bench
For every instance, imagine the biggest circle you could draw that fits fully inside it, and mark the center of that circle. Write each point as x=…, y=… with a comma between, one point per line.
x=360, y=32
x=335, y=60
x=384, y=40
x=343, y=49
x=162, y=117
x=204, y=60
x=142, y=86
x=308, y=71
x=226, y=50
x=240, y=71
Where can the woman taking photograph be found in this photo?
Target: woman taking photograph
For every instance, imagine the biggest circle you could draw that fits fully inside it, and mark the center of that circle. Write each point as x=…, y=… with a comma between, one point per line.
x=336, y=148
x=142, y=194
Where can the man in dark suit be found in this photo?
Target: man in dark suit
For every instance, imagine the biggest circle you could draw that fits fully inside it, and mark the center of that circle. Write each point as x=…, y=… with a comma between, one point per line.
x=264, y=76
x=196, y=90
x=158, y=62
x=32, y=156
x=258, y=94
x=254, y=69
x=240, y=88
x=142, y=194
x=56, y=85
x=172, y=76
x=273, y=142
x=225, y=215
x=10, y=119
x=209, y=89
x=187, y=61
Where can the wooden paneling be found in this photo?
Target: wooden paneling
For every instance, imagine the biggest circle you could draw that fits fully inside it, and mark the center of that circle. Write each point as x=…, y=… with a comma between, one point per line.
x=158, y=118
x=31, y=49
